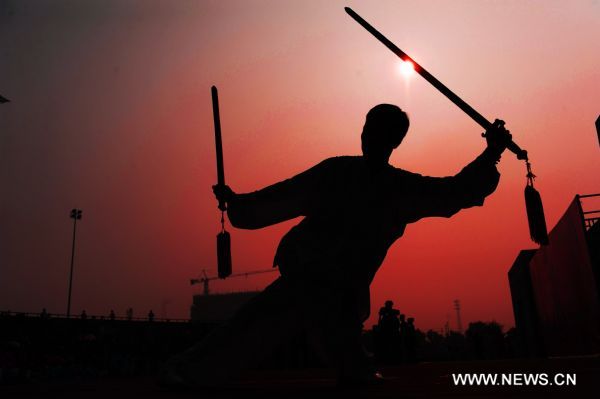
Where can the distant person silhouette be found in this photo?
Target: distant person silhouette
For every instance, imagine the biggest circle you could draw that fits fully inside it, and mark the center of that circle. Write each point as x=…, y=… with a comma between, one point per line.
x=83, y=315
x=354, y=208
x=388, y=334
x=151, y=315
x=112, y=315
x=388, y=316
x=411, y=340
x=403, y=333
x=402, y=322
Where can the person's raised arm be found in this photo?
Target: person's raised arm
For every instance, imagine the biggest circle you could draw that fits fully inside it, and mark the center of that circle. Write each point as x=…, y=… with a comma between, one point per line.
x=445, y=196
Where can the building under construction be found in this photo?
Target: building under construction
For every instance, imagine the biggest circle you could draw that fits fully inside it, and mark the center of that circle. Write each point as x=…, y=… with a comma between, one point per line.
x=216, y=308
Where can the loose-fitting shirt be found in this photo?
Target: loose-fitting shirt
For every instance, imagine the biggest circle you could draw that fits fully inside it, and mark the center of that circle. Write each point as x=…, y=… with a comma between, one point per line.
x=353, y=213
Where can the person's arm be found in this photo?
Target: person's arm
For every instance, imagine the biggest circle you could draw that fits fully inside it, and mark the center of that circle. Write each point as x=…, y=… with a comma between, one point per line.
x=276, y=203
x=445, y=196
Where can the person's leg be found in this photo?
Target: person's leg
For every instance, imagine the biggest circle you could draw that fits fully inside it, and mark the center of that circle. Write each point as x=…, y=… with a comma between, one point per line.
x=330, y=314
x=253, y=333
x=351, y=357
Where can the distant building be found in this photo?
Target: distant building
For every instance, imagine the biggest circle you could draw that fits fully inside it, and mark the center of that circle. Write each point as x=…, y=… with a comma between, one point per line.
x=216, y=308
x=524, y=308
x=555, y=289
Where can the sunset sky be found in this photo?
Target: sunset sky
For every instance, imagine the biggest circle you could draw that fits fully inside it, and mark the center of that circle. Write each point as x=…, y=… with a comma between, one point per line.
x=110, y=112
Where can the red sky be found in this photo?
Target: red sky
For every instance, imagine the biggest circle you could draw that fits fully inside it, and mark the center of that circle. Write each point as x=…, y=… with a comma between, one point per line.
x=111, y=113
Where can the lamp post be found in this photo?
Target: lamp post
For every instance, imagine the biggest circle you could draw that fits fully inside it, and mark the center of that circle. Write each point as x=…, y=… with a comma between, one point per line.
x=75, y=215
x=458, y=320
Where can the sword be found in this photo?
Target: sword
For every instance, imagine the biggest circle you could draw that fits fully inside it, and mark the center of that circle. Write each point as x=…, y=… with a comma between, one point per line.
x=476, y=116
x=533, y=201
x=223, y=238
x=218, y=143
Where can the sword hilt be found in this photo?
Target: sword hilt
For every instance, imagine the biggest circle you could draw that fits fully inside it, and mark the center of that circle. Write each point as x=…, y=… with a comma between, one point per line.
x=511, y=146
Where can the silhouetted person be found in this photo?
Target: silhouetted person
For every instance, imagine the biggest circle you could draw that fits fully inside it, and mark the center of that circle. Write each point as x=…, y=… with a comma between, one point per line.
x=388, y=334
x=151, y=315
x=354, y=208
x=402, y=320
x=83, y=315
x=410, y=341
x=388, y=316
x=44, y=314
x=111, y=316
x=129, y=314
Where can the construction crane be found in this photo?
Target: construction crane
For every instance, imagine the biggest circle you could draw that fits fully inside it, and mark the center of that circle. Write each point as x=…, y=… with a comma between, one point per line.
x=204, y=280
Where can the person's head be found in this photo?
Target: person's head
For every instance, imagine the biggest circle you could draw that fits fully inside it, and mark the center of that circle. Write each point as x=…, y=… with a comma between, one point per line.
x=389, y=304
x=385, y=127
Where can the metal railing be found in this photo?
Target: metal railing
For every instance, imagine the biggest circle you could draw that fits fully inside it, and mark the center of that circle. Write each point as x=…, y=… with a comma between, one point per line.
x=590, y=217
x=42, y=315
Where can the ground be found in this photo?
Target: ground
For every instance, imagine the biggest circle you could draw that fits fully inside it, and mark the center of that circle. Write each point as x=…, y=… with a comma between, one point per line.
x=424, y=380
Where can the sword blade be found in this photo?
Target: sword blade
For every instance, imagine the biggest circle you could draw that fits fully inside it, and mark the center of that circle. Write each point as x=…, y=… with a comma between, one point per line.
x=218, y=142
x=476, y=116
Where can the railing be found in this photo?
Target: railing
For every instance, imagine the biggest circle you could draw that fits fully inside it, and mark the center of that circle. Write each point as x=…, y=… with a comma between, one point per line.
x=590, y=218
x=43, y=315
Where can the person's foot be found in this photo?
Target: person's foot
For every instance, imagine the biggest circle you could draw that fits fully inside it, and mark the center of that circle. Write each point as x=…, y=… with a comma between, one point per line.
x=175, y=375
x=169, y=378
x=363, y=380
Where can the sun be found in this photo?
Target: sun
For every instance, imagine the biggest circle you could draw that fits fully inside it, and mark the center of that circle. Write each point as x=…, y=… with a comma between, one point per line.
x=407, y=68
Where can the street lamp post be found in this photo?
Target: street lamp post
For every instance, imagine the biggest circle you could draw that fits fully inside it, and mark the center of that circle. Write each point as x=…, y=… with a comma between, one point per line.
x=75, y=215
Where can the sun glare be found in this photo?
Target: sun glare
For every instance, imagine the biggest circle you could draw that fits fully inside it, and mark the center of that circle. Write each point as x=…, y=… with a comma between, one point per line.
x=407, y=68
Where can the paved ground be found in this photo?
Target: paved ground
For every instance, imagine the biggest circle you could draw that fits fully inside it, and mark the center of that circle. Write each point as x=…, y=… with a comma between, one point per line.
x=423, y=380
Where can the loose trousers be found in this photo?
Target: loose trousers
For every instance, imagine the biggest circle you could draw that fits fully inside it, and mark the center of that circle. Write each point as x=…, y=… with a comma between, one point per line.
x=277, y=315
